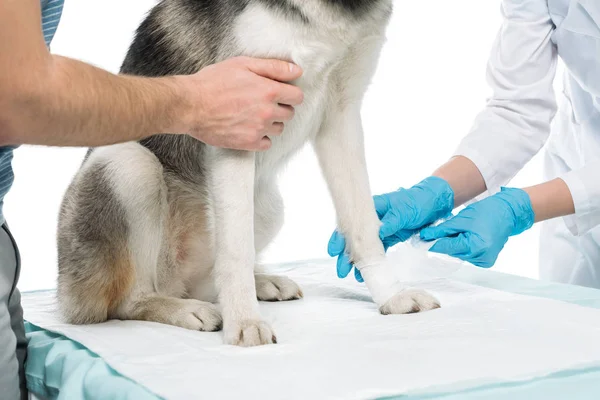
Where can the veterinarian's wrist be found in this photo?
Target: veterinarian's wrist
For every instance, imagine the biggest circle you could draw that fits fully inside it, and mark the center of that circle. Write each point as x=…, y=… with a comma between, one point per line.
x=464, y=178
x=551, y=200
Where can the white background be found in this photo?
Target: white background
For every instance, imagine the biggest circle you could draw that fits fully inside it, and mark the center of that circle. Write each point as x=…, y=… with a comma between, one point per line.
x=429, y=86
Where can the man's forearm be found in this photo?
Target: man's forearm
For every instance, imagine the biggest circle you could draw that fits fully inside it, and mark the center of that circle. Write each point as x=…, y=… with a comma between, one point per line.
x=70, y=103
x=464, y=178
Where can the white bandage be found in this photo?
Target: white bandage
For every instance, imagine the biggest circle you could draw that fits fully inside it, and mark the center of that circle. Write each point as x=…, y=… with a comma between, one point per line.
x=379, y=275
x=418, y=243
x=381, y=281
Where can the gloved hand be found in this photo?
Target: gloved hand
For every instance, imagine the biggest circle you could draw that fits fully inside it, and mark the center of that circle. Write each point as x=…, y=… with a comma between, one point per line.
x=478, y=233
x=402, y=214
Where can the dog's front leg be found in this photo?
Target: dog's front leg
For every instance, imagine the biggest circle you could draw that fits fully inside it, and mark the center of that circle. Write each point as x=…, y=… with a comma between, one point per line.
x=340, y=149
x=232, y=187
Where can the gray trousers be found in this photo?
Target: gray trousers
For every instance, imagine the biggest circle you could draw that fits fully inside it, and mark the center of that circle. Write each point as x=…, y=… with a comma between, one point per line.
x=13, y=344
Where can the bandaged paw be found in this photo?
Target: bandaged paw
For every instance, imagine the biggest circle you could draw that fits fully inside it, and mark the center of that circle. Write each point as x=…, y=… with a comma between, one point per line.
x=380, y=279
x=390, y=295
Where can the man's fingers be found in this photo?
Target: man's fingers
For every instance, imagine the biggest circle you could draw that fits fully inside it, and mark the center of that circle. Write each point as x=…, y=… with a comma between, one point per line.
x=283, y=113
x=264, y=144
x=275, y=125
x=276, y=129
x=286, y=94
x=277, y=70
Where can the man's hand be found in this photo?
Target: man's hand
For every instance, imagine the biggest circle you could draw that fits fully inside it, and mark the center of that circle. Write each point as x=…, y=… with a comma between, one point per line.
x=240, y=102
x=57, y=101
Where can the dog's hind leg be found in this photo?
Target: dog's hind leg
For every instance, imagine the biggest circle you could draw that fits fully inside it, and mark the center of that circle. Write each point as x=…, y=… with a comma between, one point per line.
x=158, y=291
x=124, y=246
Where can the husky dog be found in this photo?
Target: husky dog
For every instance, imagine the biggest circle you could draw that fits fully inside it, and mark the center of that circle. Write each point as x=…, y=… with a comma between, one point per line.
x=159, y=230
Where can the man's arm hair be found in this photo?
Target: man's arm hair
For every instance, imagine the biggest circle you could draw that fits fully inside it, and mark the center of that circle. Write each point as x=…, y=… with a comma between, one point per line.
x=57, y=101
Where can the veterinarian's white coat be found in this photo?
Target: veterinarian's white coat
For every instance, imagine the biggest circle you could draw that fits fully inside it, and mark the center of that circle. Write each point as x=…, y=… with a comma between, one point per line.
x=517, y=122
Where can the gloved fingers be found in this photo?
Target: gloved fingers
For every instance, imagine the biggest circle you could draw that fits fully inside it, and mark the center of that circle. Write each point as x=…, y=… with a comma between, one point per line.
x=405, y=234
x=358, y=275
x=454, y=247
x=337, y=244
x=382, y=205
x=343, y=265
x=483, y=262
x=398, y=237
x=390, y=224
x=451, y=227
x=485, y=256
x=447, y=217
x=390, y=242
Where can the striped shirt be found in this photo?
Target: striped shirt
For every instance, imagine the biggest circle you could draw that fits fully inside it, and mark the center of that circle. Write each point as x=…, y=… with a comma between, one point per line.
x=51, y=13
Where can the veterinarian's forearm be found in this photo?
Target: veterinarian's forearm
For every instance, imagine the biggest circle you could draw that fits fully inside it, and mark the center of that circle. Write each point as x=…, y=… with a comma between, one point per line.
x=549, y=200
x=71, y=103
x=464, y=178
x=552, y=199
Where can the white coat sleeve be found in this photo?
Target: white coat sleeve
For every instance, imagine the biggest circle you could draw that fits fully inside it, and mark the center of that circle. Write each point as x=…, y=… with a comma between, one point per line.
x=515, y=124
x=584, y=185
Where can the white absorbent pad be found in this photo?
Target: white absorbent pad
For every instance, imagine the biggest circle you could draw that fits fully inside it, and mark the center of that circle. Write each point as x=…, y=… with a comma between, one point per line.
x=333, y=344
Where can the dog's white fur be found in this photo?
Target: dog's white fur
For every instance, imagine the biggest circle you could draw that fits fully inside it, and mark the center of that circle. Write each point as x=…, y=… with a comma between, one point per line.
x=242, y=207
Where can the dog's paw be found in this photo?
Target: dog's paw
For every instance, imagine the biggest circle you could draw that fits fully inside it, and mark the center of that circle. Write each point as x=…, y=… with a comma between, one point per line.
x=250, y=333
x=276, y=288
x=410, y=301
x=198, y=316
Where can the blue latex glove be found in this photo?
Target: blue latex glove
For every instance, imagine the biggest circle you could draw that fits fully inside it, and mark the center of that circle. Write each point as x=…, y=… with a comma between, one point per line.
x=478, y=233
x=402, y=213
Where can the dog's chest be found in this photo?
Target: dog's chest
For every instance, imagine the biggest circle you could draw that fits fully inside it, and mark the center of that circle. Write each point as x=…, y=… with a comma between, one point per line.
x=259, y=32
